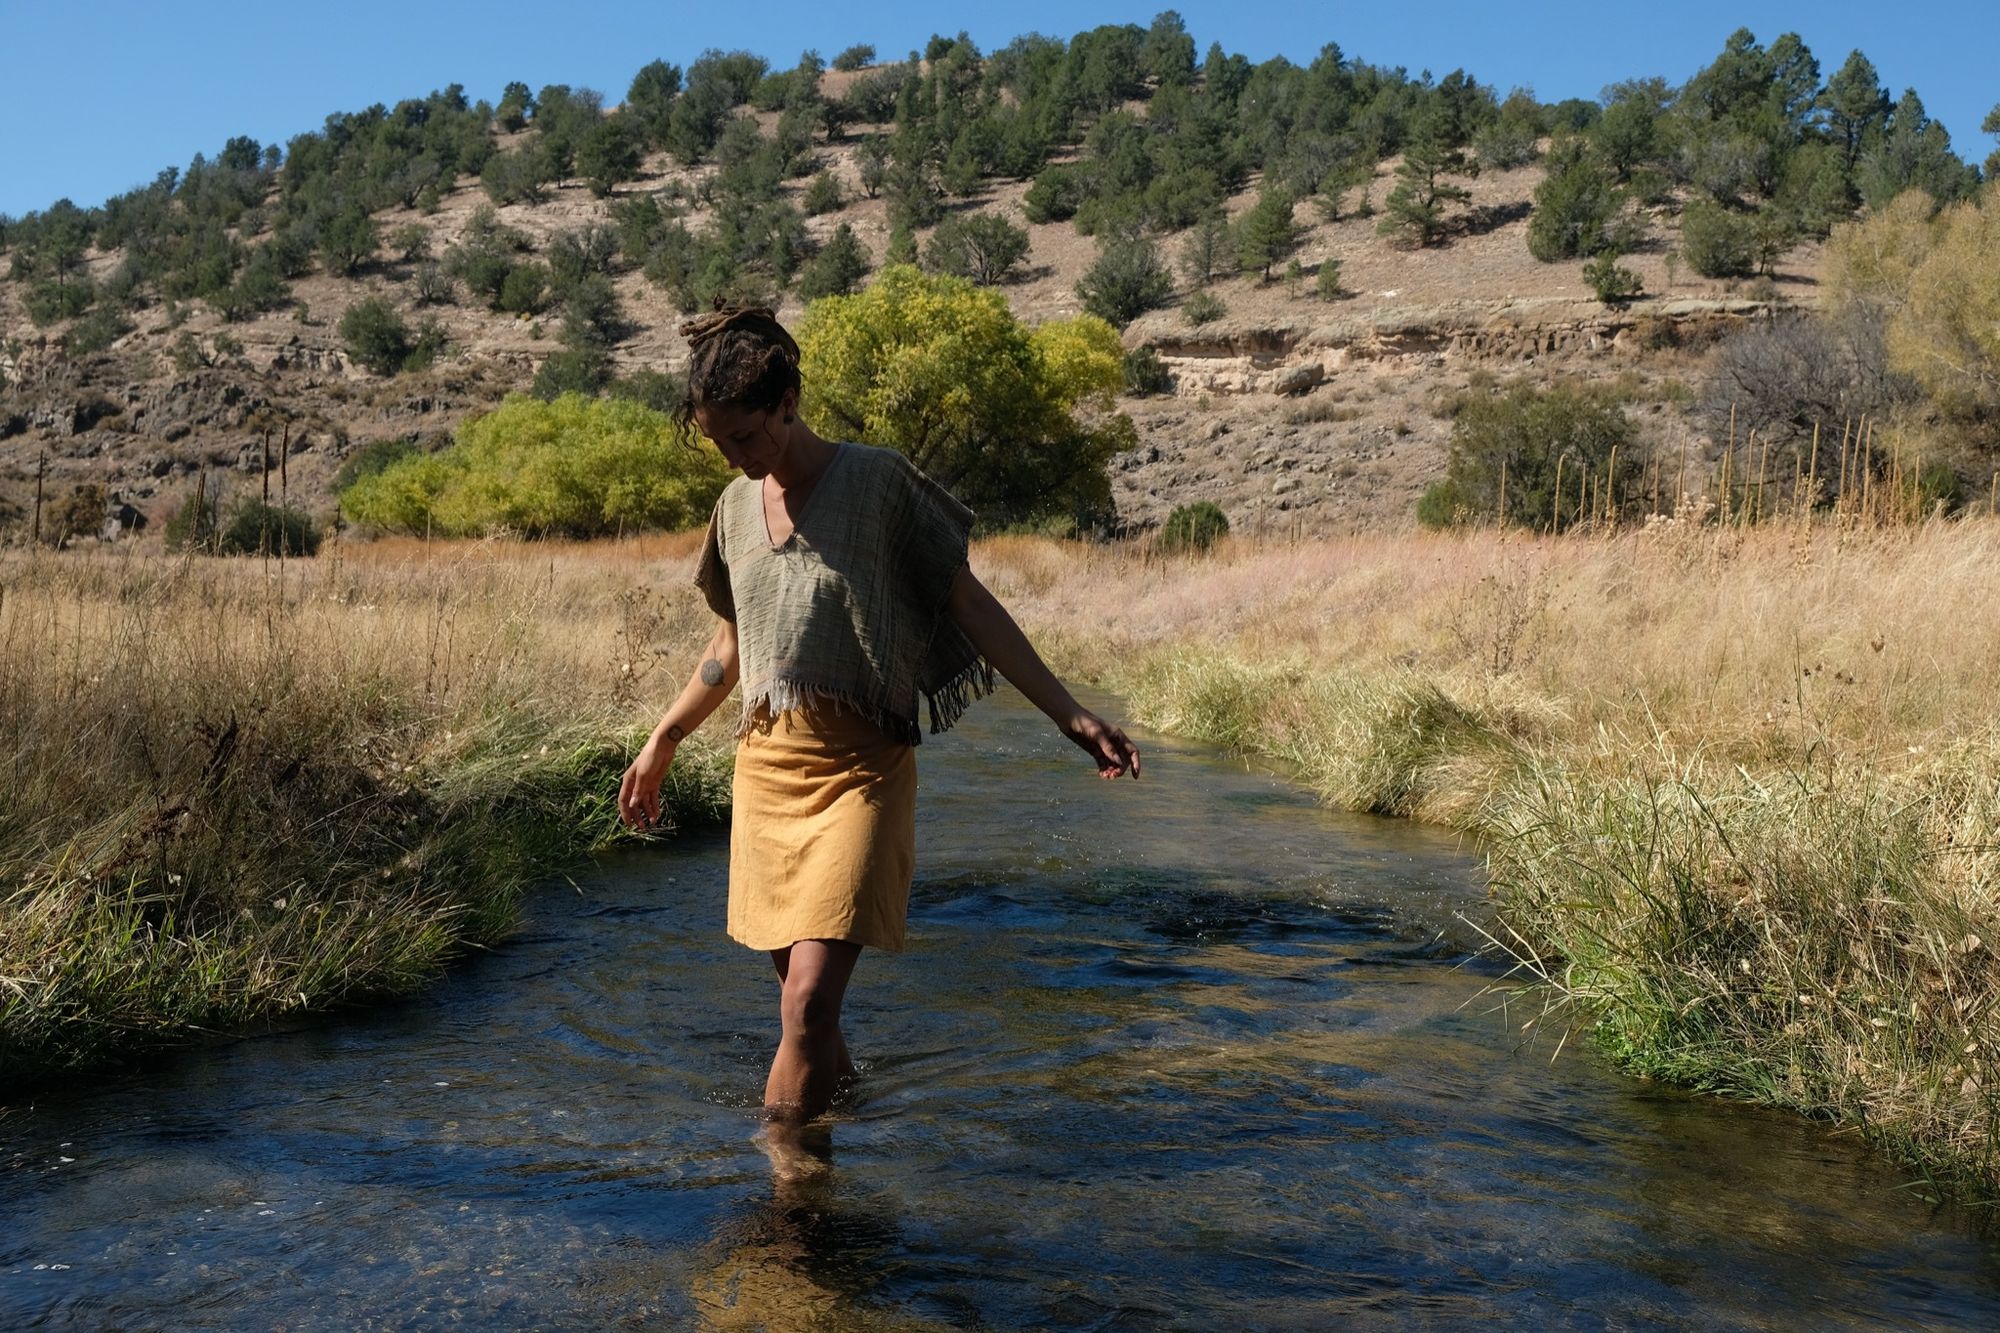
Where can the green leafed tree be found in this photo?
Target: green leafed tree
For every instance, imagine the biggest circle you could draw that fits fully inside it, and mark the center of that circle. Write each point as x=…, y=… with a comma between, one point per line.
x=1018, y=423
x=574, y=467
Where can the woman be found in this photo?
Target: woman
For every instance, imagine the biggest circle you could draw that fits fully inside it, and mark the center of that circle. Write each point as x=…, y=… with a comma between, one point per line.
x=839, y=578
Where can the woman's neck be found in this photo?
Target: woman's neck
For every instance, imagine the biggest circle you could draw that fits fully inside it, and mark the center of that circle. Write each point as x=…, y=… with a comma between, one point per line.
x=805, y=458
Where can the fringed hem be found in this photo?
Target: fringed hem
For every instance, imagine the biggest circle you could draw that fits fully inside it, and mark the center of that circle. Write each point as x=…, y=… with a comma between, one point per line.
x=783, y=696
x=949, y=701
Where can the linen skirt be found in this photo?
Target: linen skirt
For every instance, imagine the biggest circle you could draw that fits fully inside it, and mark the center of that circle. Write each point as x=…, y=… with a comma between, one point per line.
x=823, y=832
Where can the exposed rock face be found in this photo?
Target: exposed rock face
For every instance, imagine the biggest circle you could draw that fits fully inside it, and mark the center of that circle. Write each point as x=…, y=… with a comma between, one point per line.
x=1233, y=357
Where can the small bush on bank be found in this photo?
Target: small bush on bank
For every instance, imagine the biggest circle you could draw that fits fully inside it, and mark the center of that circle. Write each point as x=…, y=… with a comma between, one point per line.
x=1201, y=308
x=1146, y=374
x=1194, y=527
x=256, y=528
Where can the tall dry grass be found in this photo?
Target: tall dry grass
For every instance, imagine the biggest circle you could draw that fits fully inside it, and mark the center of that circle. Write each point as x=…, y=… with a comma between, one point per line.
x=236, y=790
x=1740, y=788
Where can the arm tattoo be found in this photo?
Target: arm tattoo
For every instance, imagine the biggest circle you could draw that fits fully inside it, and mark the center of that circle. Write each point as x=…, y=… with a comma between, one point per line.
x=675, y=734
x=712, y=673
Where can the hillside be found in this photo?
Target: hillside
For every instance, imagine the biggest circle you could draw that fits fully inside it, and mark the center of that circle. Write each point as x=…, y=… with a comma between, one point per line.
x=1289, y=411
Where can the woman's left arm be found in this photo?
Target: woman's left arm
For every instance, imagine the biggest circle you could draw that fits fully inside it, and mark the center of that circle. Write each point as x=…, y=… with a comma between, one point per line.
x=1000, y=641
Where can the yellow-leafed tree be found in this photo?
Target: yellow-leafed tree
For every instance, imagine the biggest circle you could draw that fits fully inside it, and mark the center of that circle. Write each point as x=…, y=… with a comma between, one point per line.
x=1019, y=423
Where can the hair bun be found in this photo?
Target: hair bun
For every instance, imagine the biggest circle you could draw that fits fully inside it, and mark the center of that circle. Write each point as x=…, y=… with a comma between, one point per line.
x=758, y=320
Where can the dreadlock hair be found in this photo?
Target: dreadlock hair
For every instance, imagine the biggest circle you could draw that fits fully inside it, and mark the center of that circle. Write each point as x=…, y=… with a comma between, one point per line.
x=738, y=356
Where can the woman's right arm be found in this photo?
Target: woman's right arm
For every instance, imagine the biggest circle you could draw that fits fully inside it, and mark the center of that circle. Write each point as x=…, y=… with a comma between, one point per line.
x=707, y=688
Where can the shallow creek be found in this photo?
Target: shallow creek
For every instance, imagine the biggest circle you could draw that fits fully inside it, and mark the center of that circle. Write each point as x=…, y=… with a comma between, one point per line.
x=1188, y=1052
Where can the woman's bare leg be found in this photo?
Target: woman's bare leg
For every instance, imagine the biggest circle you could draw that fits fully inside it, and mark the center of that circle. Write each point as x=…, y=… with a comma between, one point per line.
x=781, y=959
x=806, y=1072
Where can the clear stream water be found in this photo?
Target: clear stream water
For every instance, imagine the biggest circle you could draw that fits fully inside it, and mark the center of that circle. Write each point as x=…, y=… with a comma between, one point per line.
x=1185, y=1053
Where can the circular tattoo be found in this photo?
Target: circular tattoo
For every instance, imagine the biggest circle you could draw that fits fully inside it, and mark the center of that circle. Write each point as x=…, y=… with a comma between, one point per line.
x=711, y=672
x=674, y=733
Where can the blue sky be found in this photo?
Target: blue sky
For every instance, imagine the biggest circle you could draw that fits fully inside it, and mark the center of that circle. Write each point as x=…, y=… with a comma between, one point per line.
x=120, y=90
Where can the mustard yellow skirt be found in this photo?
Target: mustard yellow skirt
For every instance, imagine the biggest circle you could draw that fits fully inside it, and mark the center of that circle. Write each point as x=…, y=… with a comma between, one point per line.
x=823, y=832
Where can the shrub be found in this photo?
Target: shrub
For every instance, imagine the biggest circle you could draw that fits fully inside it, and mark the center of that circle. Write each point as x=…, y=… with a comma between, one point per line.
x=858, y=56
x=576, y=467
x=1058, y=192
x=1613, y=282
x=50, y=301
x=1716, y=242
x=347, y=241
x=649, y=388
x=1327, y=281
x=97, y=331
x=256, y=528
x=984, y=247
x=1443, y=505
x=1003, y=425
x=841, y=263
x=822, y=194
x=1126, y=281
x=1146, y=374
x=1573, y=205
x=1202, y=307
x=1536, y=439
x=433, y=286
x=193, y=525
x=369, y=459
x=1194, y=527
x=526, y=290
x=411, y=242
x=574, y=369
x=375, y=335
x=1786, y=376
x=79, y=514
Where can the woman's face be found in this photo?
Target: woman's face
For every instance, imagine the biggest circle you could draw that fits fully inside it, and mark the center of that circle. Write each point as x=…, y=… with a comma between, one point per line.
x=752, y=440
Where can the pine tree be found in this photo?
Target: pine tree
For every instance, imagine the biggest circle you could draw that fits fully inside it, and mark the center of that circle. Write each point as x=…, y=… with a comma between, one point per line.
x=1269, y=232
x=1416, y=207
x=1856, y=106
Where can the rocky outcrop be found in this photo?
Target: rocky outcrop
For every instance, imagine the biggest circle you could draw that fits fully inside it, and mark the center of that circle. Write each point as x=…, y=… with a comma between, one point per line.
x=1233, y=357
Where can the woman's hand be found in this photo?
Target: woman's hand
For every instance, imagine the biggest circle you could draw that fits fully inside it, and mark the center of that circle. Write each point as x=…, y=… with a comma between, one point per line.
x=639, y=791
x=1107, y=745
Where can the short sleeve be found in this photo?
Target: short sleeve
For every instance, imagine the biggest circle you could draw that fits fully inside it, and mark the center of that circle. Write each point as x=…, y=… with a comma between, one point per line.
x=711, y=573
x=935, y=539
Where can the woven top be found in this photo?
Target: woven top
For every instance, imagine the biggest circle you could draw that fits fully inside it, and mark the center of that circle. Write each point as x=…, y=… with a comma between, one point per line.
x=850, y=609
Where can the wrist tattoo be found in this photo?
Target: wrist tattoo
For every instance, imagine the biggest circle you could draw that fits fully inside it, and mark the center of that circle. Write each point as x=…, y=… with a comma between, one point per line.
x=712, y=672
x=674, y=733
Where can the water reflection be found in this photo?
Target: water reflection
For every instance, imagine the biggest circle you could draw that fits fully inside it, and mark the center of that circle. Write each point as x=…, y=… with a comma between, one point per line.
x=1182, y=1053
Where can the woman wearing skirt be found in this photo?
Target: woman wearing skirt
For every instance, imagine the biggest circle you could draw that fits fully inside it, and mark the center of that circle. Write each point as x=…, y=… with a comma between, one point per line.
x=844, y=604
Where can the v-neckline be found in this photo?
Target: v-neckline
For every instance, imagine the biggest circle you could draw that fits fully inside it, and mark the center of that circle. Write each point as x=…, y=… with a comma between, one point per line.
x=819, y=484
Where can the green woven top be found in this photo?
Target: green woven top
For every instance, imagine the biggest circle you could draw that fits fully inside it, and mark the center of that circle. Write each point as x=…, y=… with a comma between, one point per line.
x=850, y=610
